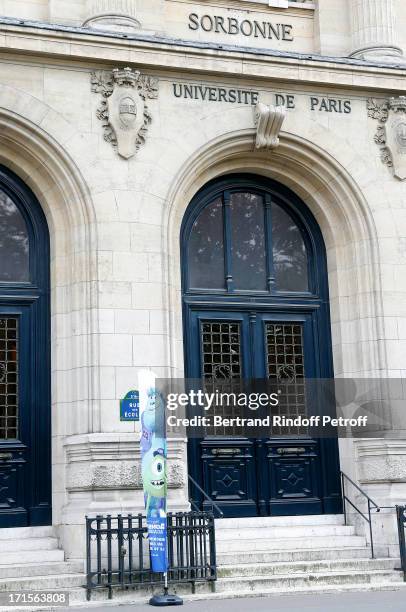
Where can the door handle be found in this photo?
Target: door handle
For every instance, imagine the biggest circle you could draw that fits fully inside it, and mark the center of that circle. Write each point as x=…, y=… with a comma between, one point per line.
x=290, y=451
x=225, y=451
x=6, y=456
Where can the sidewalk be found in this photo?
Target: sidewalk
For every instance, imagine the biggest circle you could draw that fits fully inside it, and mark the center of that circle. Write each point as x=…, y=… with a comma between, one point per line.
x=389, y=601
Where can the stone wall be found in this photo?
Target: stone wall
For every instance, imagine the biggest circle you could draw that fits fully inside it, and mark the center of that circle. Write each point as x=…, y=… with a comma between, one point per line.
x=115, y=221
x=329, y=27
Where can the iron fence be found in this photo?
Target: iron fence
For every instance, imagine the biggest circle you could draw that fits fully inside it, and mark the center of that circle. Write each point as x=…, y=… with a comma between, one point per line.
x=401, y=519
x=118, y=551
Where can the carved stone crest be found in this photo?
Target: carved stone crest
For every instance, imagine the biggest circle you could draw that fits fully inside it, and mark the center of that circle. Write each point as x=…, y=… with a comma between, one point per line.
x=391, y=132
x=268, y=121
x=123, y=109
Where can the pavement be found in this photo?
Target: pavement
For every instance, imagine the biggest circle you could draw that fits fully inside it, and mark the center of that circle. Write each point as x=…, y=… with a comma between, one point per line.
x=376, y=601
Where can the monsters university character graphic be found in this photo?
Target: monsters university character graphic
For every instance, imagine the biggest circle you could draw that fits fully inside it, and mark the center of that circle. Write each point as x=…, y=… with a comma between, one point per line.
x=151, y=419
x=154, y=476
x=153, y=466
x=154, y=479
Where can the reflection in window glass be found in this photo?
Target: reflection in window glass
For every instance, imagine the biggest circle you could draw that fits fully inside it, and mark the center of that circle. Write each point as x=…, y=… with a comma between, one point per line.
x=14, y=246
x=248, y=241
x=289, y=253
x=206, y=249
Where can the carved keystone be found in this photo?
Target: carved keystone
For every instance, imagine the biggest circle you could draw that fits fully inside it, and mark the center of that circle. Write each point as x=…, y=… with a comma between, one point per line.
x=268, y=121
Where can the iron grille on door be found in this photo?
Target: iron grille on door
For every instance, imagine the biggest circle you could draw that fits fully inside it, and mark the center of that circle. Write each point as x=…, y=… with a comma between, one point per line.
x=285, y=364
x=221, y=351
x=8, y=378
x=221, y=366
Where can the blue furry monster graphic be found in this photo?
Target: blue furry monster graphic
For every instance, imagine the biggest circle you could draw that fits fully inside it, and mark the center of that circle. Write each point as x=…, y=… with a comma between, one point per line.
x=150, y=418
x=153, y=451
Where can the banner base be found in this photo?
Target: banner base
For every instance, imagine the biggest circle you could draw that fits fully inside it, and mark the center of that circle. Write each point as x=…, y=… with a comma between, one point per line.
x=166, y=600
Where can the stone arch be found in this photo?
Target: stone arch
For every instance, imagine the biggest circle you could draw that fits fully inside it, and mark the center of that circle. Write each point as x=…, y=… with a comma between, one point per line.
x=33, y=144
x=337, y=201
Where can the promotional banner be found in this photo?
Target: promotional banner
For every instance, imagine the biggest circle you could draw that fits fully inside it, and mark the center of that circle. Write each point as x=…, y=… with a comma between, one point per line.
x=153, y=464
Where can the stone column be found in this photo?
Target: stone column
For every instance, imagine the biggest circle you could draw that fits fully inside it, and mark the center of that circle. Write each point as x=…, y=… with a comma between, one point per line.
x=117, y=15
x=374, y=31
x=118, y=7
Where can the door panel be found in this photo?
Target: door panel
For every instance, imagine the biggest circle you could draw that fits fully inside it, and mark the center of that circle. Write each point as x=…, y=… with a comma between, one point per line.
x=14, y=420
x=272, y=476
x=290, y=480
x=229, y=475
x=25, y=402
x=294, y=476
x=220, y=342
x=13, y=511
x=24, y=423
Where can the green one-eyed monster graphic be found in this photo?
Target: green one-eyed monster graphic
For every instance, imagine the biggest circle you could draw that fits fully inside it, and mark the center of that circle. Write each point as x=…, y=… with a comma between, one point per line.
x=154, y=478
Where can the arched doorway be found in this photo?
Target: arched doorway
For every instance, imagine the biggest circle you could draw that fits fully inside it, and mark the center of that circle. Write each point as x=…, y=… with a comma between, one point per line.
x=25, y=413
x=255, y=305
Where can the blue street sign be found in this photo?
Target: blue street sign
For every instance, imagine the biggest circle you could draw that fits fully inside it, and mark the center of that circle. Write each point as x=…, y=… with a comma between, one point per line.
x=130, y=407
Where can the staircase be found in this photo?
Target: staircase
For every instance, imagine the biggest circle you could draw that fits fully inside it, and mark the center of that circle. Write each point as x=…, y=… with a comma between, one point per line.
x=30, y=559
x=268, y=555
x=255, y=556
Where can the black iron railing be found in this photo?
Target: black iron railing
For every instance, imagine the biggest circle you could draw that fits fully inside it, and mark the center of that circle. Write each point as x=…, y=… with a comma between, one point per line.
x=371, y=505
x=214, y=507
x=118, y=551
x=401, y=520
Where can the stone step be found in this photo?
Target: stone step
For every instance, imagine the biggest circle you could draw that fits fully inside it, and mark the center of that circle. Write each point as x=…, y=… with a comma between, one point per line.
x=280, y=556
x=293, y=582
x=279, y=521
x=27, y=570
x=264, y=544
x=17, y=533
x=32, y=556
x=24, y=544
x=310, y=567
x=293, y=532
x=39, y=583
x=241, y=589
x=307, y=590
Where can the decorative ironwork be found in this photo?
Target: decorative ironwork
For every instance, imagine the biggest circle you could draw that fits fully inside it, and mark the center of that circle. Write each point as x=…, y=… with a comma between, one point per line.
x=285, y=364
x=118, y=551
x=222, y=367
x=8, y=378
x=221, y=351
x=285, y=351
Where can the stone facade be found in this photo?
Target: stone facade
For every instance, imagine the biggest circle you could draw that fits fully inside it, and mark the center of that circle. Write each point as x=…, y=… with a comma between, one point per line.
x=115, y=218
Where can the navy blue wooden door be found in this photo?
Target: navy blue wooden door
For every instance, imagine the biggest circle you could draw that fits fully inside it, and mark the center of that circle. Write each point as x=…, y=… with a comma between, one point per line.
x=25, y=433
x=256, y=307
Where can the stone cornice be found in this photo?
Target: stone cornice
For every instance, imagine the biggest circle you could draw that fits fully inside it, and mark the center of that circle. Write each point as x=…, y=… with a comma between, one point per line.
x=161, y=53
x=113, y=461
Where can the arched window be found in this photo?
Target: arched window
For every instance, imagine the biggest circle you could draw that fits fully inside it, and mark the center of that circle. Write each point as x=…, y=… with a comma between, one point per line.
x=25, y=432
x=247, y=239
x=14, y=242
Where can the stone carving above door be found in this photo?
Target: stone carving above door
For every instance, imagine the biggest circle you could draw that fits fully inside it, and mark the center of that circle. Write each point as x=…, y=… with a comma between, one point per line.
x=124, y=110
x=391, y=132
x=268, y=121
